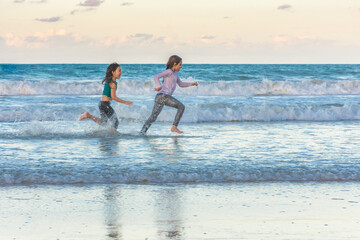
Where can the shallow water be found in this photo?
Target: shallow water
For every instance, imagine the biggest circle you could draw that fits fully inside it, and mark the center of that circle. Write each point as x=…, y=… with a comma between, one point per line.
x=207, y=152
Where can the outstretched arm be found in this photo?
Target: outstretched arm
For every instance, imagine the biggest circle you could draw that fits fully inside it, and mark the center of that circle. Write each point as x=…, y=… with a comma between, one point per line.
x=185, y=84
x=114, y=97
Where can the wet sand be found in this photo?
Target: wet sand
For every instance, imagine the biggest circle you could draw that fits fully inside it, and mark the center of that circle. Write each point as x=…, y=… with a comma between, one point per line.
x=198, y=211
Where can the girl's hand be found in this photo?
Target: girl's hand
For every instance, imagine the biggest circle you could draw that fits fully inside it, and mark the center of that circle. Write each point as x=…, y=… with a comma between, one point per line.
x=129, y=103
x=194, y=84
x=158, y=88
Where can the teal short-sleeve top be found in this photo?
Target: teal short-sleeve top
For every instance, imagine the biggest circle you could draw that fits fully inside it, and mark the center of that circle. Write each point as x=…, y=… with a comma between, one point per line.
x=107, y=89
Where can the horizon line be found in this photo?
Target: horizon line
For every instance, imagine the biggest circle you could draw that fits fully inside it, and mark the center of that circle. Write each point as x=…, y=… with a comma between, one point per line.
x=42, y=63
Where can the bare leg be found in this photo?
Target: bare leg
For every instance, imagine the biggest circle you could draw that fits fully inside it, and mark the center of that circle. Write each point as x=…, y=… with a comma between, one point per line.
x=88, y=115
x=175, y=129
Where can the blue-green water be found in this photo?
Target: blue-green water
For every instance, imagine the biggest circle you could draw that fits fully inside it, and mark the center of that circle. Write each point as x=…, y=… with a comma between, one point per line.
x=242, y=123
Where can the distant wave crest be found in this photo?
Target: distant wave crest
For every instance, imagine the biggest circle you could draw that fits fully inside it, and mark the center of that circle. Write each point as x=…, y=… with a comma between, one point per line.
x=215, y=88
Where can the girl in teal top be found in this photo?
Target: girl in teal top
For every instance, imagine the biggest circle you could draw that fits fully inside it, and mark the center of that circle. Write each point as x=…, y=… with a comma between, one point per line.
x=107, y=89
x=107, y=113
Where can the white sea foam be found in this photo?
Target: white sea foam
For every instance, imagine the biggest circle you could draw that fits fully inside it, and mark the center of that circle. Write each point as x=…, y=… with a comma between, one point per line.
x=219, y=88
x=198, y=112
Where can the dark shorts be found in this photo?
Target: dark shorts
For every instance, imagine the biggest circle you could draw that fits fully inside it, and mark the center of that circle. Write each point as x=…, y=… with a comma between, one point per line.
x=108, y=115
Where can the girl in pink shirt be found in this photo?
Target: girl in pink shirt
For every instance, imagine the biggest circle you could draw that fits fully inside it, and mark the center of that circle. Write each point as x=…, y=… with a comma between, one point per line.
x=166, y=89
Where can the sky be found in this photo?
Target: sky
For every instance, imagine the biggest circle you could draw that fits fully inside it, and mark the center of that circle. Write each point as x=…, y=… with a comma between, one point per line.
x=200, y=31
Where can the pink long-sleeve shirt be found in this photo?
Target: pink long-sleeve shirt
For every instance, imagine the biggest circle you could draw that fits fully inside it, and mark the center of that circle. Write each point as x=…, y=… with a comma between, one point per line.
x=169, y=82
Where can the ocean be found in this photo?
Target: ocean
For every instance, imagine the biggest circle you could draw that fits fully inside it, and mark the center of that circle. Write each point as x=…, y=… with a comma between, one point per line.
x=242, y=123
x=245, y=126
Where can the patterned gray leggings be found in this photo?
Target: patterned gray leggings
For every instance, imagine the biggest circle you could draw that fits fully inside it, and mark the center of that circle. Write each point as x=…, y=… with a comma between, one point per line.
x=162, y=99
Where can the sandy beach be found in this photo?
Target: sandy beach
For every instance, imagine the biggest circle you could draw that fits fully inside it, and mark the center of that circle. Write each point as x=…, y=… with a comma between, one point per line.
x=235, y=211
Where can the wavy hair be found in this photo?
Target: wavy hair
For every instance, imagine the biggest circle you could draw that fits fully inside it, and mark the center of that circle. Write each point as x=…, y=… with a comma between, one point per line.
x=174, y=59
x=108, y=76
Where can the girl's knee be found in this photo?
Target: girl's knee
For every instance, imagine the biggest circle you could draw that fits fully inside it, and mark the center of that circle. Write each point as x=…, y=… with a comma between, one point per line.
x=151, y=120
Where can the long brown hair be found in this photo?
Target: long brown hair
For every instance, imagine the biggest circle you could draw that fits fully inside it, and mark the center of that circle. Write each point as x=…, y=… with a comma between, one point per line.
x=108, y=76
x=174, y=59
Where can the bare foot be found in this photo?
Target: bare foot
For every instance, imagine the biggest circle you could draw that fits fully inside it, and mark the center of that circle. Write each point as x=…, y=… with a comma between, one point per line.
x=175, y=129
x=84, y=116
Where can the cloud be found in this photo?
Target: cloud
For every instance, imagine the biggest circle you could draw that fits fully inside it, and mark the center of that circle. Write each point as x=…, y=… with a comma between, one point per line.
x=303, y=40
x=127, y=4
x=39, y=1
x=227, y=17
x=41, y=39
x=49, y=20
x=288, y=39
x=284, y=7
x=73, y=12
x=142, y=36
x=283, y=39
x=55, y=38
x=92, y=3
x=207, y=37
x=89, y=5
x=159, y=39
x=34, y=1
x=136, y=40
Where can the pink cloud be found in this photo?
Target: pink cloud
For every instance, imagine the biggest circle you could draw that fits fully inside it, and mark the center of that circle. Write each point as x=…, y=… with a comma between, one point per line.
x=37, y=1
x=49, y=20
x=127, y=4
x=91, y=3
x=40, y=39
x=284, y=7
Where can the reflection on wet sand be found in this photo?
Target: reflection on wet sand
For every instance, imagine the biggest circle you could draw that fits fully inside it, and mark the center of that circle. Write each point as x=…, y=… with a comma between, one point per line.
x=169, y=214
x=112, y=213
x=110, y=146
x=168, y=207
